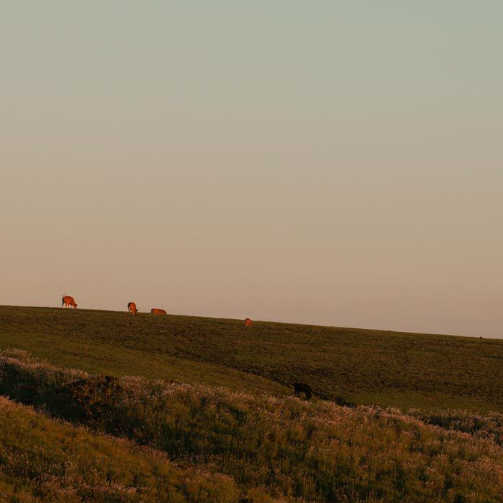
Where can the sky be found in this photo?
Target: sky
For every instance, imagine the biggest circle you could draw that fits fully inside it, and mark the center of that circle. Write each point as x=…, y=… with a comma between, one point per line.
x=327, y=162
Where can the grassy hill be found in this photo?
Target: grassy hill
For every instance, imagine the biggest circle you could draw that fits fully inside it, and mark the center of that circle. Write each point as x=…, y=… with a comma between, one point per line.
x=230, y=447
x=183, y=409
x=360, y=366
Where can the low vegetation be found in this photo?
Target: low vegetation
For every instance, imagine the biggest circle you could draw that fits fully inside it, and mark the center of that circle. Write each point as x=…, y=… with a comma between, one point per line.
x=260, y=447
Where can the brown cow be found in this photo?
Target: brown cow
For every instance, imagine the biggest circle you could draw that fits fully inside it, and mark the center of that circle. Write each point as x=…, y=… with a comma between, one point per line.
x=248, y=322
x=131, y=307
x=68, y=301
x=155, y=310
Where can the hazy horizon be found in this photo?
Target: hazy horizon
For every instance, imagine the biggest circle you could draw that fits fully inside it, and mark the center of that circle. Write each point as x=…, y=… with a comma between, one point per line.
x=334, y=163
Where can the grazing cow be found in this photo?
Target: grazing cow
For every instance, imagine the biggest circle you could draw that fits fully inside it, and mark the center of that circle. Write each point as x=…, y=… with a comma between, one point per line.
x=155, y=310
x=248, y=322
x=131, y=307
x=300, y=387
x=68, y=301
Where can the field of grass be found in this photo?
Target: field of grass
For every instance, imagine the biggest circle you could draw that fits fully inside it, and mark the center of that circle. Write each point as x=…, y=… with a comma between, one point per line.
x=267, y=448
x=362, y=366
x=175, y=409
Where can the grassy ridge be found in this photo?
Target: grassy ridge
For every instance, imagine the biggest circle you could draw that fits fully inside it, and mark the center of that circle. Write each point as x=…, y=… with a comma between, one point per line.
x=298, y=451
x=363, y=366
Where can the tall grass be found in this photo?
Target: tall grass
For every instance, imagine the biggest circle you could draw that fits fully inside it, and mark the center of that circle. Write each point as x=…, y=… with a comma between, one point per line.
x=487, y=426
x=47, y=461
x=300, y=451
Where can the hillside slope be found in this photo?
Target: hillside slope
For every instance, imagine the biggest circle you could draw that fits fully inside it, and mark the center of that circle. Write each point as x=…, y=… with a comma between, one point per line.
x=43, y=460
x=230, y=446
x=362, y=366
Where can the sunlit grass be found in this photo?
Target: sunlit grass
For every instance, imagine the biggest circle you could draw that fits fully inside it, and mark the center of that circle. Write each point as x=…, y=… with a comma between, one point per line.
x=43, y=460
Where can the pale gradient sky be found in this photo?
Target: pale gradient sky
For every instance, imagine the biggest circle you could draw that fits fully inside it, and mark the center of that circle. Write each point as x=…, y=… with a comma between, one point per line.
x=332, y=162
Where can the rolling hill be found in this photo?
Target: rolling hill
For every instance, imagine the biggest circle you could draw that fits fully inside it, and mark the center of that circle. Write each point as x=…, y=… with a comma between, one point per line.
x=360, y=366
x=115, y=408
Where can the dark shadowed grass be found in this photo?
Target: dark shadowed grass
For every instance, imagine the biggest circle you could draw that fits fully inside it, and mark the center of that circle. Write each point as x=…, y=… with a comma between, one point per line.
x=362, y=366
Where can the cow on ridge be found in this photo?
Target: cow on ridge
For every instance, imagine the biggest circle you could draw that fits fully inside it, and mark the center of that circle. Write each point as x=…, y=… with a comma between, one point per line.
x=156, y=310
x=68, y=301
x=131, y=307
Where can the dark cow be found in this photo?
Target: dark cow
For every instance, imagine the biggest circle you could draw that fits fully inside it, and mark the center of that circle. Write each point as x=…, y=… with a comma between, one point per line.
x=300, y=387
